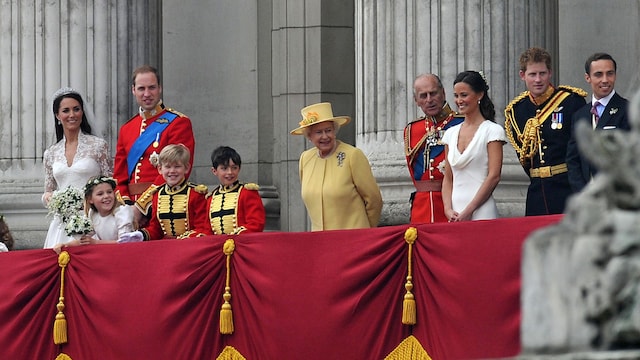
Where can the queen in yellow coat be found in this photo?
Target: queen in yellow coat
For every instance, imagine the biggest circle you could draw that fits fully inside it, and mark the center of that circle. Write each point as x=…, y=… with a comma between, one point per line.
x=337, y=185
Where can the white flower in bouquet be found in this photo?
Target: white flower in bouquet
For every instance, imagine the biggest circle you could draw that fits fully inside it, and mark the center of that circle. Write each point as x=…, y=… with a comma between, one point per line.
x=78, y=224
x=65, y=202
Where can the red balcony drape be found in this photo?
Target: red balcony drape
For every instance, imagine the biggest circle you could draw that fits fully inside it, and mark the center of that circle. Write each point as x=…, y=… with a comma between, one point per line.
x=321, y=295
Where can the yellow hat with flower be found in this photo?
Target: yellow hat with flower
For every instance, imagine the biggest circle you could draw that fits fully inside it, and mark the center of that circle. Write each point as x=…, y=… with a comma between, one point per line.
x=317, y=113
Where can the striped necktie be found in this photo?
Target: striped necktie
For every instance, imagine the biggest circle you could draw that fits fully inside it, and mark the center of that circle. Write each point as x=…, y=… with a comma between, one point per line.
x=594, y=111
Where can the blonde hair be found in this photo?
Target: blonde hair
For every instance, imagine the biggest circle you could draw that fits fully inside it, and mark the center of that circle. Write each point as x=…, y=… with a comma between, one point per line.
x=88, y=192
x=174, y=154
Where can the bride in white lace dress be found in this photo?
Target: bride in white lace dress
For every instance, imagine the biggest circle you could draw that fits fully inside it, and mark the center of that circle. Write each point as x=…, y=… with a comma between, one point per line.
x=76, y=157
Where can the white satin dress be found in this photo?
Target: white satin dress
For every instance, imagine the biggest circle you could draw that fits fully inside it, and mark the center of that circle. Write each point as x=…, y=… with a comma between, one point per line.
x=470, y=168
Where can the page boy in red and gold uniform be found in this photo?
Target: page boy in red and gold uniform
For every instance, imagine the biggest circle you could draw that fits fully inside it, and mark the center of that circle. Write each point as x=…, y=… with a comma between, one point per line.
x=233, y=207
x=177, y=208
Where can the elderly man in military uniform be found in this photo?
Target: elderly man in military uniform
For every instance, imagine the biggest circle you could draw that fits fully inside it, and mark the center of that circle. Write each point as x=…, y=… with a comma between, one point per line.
x=538, y=125
x=424, y=151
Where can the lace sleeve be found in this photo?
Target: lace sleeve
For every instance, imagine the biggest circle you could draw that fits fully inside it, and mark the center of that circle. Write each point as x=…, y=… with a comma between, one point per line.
x=50, y=184
x=97, y=149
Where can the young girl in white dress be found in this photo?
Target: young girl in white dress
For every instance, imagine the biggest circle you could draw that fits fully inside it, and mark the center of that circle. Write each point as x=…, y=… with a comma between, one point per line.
x=473, y=152
x=111, y=220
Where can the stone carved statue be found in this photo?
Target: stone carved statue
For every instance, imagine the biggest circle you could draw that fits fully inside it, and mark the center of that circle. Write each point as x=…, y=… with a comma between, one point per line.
x=581, y=277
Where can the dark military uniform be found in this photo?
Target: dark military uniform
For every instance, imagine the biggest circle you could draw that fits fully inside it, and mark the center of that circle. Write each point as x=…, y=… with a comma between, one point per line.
x=540, y=132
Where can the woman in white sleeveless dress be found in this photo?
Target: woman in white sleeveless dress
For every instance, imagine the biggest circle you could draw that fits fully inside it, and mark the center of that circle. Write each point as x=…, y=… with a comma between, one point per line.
x=76, y=157
x=473, y=152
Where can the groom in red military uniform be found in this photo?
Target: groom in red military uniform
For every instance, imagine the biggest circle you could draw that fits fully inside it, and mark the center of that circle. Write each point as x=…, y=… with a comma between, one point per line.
x=146, y=134
x=423, y=150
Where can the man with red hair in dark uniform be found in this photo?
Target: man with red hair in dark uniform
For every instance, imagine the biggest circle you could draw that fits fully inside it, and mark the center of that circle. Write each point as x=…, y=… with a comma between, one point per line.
x=425, y=152
x=146, y=134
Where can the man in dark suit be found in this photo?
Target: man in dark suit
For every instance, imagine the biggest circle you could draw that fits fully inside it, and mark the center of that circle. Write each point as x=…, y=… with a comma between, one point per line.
x=607, y=111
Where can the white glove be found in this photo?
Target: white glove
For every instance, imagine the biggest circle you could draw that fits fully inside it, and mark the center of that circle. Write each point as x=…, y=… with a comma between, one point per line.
x=135, y=236
x=3, y=247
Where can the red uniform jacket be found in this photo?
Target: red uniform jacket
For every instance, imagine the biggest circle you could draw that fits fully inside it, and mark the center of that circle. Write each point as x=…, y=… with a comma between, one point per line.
x=425, y=159
x=236, y=209
x=178, y=132
x=177, y=212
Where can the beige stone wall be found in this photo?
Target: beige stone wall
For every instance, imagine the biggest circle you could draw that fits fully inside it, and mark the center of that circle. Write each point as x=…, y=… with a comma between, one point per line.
x=45, y=45
x=243, y=70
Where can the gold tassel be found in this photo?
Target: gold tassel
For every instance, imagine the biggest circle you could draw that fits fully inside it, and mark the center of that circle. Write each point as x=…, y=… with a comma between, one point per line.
x=409, y=305
x=226, y=315
x=60, y=324
x=63, y=356
x=230, y=353
x=409, y=349
x=409, y=302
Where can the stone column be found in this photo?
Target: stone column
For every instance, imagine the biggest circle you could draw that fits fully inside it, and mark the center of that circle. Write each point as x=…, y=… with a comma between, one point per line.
x=312, y=62
x=45, y=45
x=398, y=40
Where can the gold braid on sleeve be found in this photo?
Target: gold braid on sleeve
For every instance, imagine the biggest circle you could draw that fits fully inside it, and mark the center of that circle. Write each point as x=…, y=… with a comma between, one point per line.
x=526, y=142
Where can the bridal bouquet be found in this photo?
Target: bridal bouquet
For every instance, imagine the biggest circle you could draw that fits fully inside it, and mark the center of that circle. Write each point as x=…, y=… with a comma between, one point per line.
x=78, y=224
x=65, y=203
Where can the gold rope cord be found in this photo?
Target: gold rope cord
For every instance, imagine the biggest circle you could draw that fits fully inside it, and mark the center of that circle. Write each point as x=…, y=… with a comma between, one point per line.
x=409, y=349
x=409, y=302
x=529, y=138
x=60, y=324
x=226, y=315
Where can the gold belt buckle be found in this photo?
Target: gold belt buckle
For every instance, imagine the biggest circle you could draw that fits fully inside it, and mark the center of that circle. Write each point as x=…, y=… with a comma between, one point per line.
x=544, y=171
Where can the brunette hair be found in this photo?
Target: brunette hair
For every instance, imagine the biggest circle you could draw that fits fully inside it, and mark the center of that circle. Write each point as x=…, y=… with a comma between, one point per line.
x=596, y=57
x=142, y=70
x=223, y=154
x=478, y=84
x=84, y=124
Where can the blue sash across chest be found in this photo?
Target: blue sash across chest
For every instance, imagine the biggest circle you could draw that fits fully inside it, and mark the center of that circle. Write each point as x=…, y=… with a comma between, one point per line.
x=148, y=136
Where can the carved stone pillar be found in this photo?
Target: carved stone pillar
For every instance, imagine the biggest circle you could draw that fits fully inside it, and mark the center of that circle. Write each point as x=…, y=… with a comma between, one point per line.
x=398, y=40
x=90, y=46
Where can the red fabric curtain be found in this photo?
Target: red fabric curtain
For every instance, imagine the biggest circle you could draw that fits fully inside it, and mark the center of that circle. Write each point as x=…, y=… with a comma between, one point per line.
x=321, y=295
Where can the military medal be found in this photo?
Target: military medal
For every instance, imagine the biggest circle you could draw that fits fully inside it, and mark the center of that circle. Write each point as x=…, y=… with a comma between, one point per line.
x=157, y=143
x=559, y=116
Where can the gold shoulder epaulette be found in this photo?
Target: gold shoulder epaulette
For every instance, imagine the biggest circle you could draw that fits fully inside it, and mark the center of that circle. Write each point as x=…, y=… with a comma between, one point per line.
x=176, y=112
x=252, y=186
x=200, y=188
x=574, y=89
x=516, y=100
x=145, y=199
